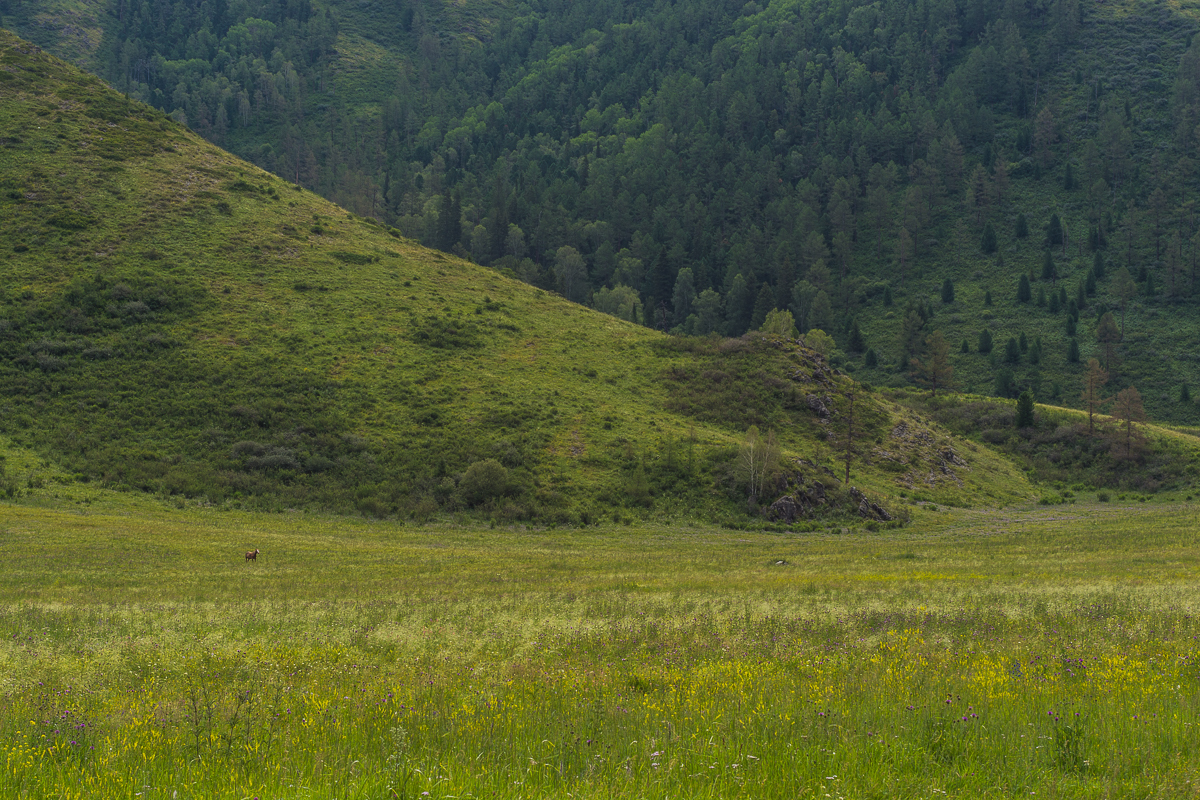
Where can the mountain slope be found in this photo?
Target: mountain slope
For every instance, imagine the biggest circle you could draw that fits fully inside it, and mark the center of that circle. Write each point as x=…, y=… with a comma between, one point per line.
x=177, y=321
x=808, y=147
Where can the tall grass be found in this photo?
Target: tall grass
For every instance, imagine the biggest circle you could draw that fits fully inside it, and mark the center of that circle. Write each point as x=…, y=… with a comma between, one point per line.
x=1045, y=650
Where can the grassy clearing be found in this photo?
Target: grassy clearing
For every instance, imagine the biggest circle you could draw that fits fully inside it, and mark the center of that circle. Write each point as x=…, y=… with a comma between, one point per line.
x=989, y=654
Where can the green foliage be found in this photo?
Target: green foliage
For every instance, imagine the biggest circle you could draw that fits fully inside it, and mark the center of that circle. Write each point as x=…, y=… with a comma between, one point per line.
x=1024, y=418
x=751, y=146
x=1023, y=290
x=483, y=482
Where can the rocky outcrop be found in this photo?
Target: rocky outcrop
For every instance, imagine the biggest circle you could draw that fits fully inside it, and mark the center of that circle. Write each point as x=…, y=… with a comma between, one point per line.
x=869, y=509
x=809, y=496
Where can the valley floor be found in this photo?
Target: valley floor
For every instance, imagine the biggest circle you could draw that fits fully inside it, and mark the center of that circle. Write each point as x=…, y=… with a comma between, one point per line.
x=973, y=654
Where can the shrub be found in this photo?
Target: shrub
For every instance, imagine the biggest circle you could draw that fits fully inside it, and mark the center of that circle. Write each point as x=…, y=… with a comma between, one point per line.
x=483, y=481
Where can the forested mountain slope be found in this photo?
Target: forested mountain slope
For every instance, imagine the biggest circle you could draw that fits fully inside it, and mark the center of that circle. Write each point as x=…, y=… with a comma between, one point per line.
x=695, y=164
x=177, y=321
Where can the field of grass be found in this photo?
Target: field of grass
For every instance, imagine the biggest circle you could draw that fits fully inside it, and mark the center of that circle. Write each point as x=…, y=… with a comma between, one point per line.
x=1029, y=651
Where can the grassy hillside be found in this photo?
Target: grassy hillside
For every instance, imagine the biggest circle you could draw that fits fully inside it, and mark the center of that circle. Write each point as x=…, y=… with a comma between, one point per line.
x=176, y=321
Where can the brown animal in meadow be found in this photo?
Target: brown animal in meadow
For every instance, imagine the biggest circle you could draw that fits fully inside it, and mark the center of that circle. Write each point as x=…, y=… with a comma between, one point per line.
x=252, y=555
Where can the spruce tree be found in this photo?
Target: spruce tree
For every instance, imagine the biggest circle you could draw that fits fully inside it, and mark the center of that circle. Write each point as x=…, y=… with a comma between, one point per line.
x=1025, y=410
x=1022, y=229
x=1070, y=325
x=947, y=291
x=1185, y=394
x=871, y=359
x=1073, y=352
x=1055, y=304
x=985, y=341
x=854, y=341
x=1012, y=351
x=1023, y=343
x=1098, y=266
x=1023, y=293
x=988, y=243
x=1089, y=285
x=1054, y=233
x=1049, y=271
x=966, y=346
x=763, y=305
x=987, y=297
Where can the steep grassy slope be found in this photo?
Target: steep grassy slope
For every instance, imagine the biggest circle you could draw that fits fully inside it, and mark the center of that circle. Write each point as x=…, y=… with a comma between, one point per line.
x=174, y=320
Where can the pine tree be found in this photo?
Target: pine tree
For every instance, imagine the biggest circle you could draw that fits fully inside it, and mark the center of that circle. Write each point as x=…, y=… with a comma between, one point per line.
x=1089, y=285
x=1023, y=293
x=1185, y=394
x=887, y=296
x=966, y=347
x=1041, y=297
x=1070, y=325
x=1073, y=352
x=1055, y=303
x=1023, y=343
x=987, y=297
x=1022, y=229
x=1098, y=266
x=1068, y=178
x=871, y=359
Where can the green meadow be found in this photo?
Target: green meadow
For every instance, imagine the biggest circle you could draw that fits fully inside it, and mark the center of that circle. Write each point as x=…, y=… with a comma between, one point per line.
x=1034, y=650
